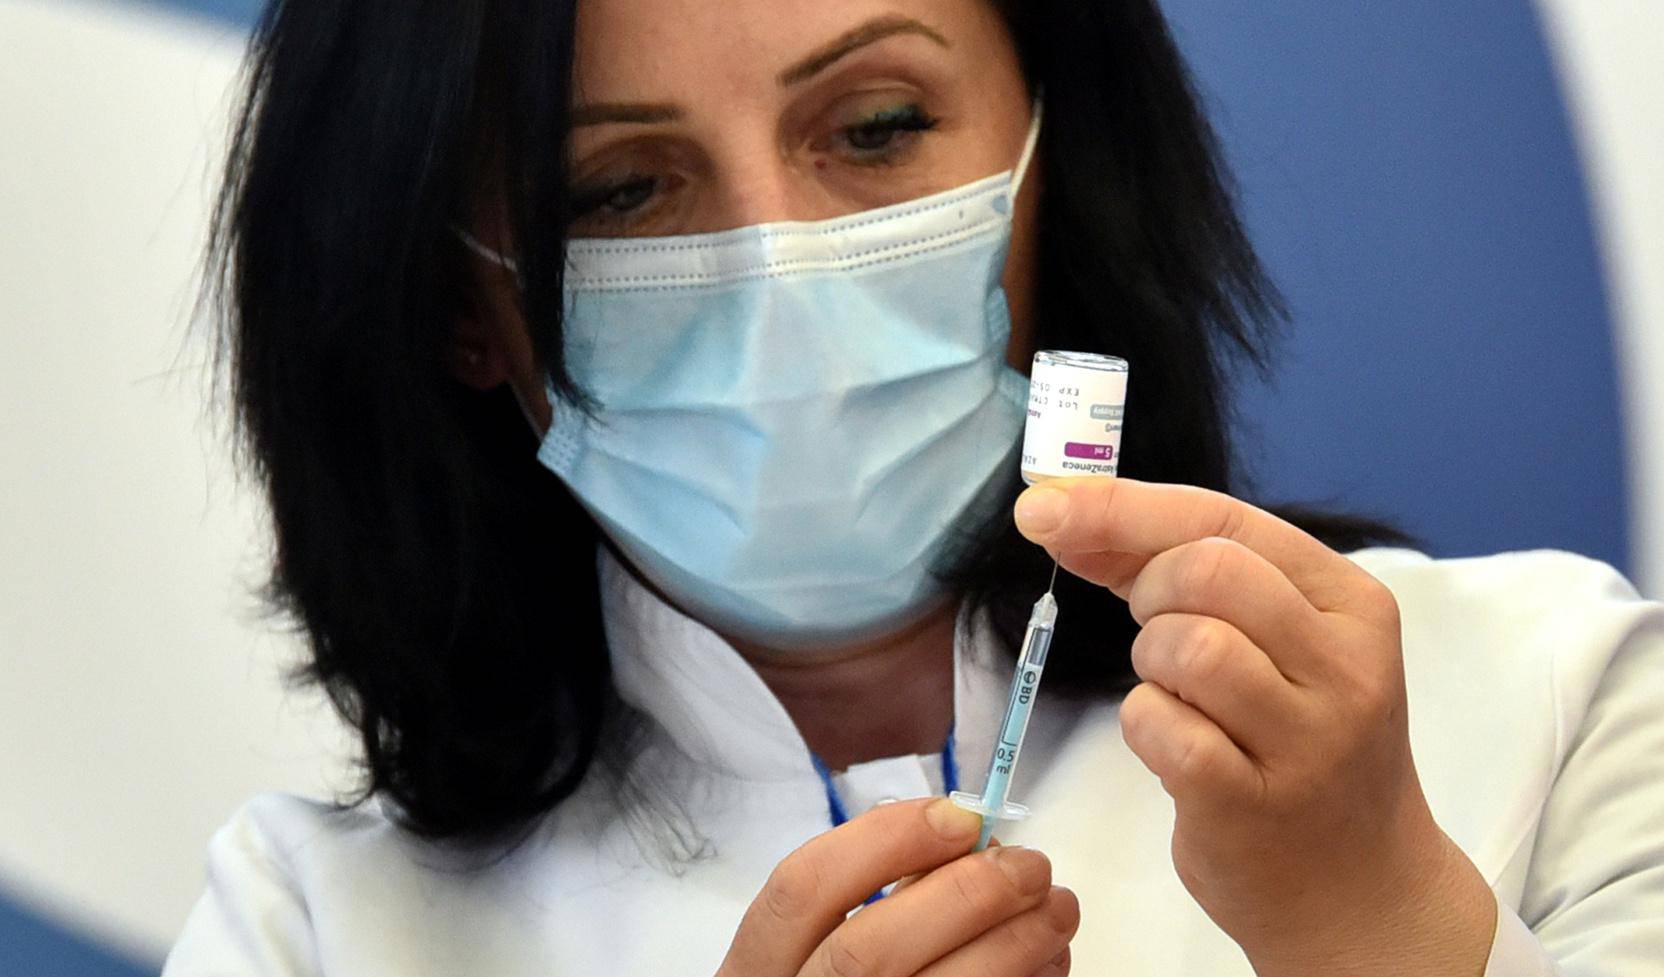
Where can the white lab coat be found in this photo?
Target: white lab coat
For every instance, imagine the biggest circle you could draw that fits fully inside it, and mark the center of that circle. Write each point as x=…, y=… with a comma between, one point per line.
x=1536, y=694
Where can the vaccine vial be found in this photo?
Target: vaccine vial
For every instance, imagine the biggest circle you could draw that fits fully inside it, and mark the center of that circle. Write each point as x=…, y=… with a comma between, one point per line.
x=1075, y=407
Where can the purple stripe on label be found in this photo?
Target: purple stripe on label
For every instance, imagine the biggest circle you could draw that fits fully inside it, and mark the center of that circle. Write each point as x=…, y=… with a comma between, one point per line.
x=1097, y=452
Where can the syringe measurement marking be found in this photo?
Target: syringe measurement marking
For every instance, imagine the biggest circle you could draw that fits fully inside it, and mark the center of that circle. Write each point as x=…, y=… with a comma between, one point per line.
x=1006, y=754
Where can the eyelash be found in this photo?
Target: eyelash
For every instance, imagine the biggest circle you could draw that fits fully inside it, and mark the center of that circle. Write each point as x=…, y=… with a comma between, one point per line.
x=888, y=122
x=587, y=201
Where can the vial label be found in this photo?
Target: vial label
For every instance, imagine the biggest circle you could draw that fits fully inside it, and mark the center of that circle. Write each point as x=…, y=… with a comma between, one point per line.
x=1076, y=404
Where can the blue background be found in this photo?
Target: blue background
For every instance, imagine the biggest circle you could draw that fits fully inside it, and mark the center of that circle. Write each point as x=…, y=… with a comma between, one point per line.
x=33, y=946
x=1408, y=174
x=1409, y=177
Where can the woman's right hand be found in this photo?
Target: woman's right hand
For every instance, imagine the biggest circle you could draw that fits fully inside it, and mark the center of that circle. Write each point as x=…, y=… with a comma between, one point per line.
x=993, y=913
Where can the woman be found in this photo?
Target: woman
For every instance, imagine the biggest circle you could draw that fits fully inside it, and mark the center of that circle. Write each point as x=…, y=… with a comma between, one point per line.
x=761, y=276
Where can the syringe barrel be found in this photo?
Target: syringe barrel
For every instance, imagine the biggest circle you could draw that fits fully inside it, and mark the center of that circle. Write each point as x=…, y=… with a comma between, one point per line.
x=1025, y=686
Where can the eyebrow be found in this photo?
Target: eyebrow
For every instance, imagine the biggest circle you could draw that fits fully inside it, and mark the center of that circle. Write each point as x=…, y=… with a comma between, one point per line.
x=640, y=113
x=873, y=30
x=645, y=113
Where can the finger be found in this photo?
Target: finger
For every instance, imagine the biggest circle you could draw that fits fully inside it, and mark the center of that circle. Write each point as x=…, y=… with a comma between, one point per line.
x=1115, y=571
x=1101, y=514
x=1211, y=665
x=1221, y=578
x=1056, y=966
x=1024, y=944
x=810, y=892
x=993, y=842
x=946, y=909
x=1187, y=750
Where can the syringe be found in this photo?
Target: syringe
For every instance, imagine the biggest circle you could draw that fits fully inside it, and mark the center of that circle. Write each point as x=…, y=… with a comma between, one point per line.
x=1025, y=684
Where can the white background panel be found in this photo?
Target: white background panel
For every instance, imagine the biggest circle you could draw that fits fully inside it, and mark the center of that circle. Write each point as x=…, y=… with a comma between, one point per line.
x=1610, y=55
x=140, y=699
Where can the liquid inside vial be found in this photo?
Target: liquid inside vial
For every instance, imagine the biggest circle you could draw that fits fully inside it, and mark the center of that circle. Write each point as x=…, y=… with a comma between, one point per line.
x=1076, y=403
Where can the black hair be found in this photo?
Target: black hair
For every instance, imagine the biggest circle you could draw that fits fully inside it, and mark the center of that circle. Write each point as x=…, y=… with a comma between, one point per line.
x=444, y=579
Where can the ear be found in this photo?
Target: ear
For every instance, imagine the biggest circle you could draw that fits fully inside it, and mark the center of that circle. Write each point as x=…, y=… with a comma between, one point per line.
x=477, y=357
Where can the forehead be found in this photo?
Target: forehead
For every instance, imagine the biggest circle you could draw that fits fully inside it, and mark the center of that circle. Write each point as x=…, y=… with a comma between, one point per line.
x=733, y=49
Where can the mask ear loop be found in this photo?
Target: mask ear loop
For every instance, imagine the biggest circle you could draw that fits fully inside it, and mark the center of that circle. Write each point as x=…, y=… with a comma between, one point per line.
x=497, y=258
x=487, y=253
x=1029, y=146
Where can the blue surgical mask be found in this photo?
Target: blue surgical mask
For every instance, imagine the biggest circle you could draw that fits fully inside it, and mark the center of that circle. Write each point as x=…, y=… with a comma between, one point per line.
x=794, y=416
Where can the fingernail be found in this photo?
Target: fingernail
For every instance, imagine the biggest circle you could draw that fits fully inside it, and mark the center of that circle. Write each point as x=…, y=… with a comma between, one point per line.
x=1040, y=510
x=1027, y=869
x=952, y=821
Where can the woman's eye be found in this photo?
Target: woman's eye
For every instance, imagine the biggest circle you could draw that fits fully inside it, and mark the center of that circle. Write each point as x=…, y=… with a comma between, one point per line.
x=615, y=199
x=885, y=132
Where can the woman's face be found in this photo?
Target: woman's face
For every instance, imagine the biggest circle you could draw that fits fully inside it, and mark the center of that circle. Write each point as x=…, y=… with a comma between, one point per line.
x=693, y=115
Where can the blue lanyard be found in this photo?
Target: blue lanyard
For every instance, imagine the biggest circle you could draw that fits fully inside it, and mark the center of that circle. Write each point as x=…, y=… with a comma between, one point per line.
x=840, y=814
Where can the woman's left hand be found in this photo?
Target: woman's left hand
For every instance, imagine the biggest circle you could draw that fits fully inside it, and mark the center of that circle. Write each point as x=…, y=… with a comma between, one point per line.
x=1272, y=708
